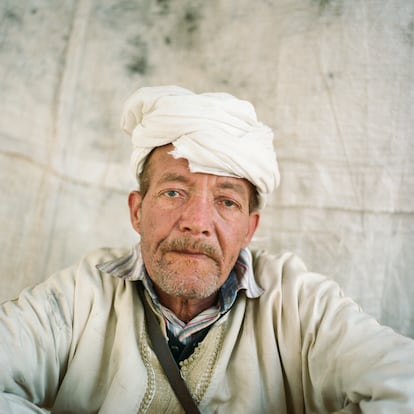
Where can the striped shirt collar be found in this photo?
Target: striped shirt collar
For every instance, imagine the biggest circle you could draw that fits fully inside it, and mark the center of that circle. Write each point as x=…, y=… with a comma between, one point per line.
x=131, y=267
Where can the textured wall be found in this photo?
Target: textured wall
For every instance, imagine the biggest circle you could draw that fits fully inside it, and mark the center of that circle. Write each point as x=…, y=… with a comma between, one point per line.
x=334, y=79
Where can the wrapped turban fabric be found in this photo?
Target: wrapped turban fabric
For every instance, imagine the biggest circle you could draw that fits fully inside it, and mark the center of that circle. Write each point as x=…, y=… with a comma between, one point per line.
x=215, y=132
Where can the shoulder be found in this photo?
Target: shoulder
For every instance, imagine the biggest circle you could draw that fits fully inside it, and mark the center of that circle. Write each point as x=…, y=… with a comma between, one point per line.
x=266, y=264
x=92, y=268
x=102, y=255
x=287, y=273
x=83, y=277
x=279, y=268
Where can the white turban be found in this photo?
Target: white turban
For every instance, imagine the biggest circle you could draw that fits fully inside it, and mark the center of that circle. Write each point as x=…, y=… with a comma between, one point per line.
x=215, y=132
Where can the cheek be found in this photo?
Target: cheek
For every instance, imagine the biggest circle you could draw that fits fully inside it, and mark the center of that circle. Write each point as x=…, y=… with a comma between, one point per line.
x=233, y=239
x=155, y=223
x=149, y=226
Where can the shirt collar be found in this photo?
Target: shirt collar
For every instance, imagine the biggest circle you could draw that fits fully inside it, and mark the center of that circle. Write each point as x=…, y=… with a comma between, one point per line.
x=131, y=267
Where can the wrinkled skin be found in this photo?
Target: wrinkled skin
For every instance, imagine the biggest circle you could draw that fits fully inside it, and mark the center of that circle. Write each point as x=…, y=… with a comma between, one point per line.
x=192, y=227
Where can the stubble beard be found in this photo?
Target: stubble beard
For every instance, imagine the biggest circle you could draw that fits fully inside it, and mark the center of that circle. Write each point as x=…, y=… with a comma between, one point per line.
x=186, y=277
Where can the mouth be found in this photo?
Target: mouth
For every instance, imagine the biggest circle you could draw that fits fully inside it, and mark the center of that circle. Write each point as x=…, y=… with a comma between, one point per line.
x=192, y=253
x=190, y=249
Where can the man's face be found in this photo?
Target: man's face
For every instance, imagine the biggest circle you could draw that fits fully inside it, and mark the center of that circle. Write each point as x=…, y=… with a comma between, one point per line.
x=192, y=226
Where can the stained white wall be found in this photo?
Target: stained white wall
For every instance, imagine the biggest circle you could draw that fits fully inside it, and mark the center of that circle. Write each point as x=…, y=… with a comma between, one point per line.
x=333, y=78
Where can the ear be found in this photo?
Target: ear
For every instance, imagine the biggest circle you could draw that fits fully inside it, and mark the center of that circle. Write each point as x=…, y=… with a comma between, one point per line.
x=134, y=203
x=253, y=223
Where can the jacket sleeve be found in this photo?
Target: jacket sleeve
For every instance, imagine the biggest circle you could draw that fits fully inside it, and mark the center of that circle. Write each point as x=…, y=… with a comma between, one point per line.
x=35, y=332
x=348, y=357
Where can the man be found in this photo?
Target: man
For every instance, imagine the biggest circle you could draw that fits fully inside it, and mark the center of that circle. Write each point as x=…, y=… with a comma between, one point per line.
x=250, y=332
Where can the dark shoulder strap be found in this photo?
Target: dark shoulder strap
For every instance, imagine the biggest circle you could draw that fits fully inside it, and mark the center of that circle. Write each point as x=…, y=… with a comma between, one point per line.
x=166, y=359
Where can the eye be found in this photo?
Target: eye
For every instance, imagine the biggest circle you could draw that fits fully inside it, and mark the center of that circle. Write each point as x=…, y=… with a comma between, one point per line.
x=171, y=193
x=229, y=204
x=171, y=197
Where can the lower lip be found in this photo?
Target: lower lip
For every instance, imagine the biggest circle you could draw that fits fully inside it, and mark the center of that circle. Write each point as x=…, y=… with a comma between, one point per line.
x=192, y=255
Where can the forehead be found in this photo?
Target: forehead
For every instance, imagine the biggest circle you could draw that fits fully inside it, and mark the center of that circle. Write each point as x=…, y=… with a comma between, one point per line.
x=164, y=167
x=161, y=155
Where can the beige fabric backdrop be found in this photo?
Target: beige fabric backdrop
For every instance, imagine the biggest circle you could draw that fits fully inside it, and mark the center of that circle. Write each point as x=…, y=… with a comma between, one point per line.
x=334, y=79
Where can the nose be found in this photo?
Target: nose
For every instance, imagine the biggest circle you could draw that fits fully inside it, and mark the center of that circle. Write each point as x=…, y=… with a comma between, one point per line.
x=197, y=216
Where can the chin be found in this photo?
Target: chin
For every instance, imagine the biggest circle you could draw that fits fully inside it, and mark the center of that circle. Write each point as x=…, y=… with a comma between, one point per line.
x=190, y=287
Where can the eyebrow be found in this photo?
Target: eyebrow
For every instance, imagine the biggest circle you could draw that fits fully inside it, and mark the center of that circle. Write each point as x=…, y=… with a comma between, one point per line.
x=225, y=185
x=169, y=177
x=238, y=188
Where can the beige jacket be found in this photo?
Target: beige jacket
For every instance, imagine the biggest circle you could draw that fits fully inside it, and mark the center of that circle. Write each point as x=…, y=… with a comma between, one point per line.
x=77, y=344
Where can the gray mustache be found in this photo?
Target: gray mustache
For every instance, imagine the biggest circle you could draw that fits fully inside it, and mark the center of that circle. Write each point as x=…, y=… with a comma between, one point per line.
x=195, y=246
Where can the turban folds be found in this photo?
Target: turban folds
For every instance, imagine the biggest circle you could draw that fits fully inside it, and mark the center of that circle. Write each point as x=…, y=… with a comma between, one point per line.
x=215, y=132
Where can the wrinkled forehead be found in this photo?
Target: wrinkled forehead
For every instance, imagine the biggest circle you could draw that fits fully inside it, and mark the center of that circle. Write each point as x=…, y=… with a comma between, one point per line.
x=160, y=155
x=164, y=159
x=162, y=164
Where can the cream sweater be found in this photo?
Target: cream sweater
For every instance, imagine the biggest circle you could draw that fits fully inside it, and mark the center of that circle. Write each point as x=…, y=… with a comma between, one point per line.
x=77, y=344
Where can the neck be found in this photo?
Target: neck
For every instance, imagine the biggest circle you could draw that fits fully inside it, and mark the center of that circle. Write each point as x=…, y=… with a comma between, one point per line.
x=183, y=308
